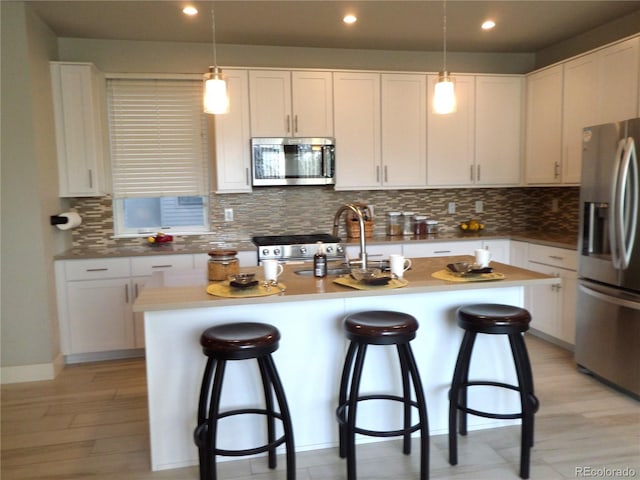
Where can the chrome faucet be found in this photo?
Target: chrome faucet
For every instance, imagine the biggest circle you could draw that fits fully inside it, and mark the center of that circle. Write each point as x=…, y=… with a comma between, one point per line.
x=355, y=209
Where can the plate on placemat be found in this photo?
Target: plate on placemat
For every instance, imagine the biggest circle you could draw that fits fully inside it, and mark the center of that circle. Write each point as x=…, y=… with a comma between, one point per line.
x=450, y=276
x=223, y=289
x=349, y=281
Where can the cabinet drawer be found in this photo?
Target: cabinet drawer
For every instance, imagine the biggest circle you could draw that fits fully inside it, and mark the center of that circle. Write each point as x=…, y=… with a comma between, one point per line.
x=96, y=269
x=440, y=249
x=557, y=257
x=141, y=266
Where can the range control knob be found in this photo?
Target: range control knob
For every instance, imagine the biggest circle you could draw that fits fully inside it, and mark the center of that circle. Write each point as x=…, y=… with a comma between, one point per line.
x=276, y=251
x=265, y=252
x=303, y=249
x=329, y=249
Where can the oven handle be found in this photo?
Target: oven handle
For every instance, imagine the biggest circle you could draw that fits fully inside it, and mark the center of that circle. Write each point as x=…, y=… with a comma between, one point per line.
x=600, y=295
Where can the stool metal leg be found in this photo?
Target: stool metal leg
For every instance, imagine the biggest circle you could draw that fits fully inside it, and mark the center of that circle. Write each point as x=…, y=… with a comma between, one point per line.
x=457, y=395
x=406, y=352
x=271, y=421
x=351, y=413
x=406, y=394
x=212, y=422
x=342, y=397
x=205, y=389
x=287, y=425
x=525, y=382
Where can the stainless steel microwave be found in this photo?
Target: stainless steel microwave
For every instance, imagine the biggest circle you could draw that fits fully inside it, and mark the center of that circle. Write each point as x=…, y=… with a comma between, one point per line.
x=293, y=161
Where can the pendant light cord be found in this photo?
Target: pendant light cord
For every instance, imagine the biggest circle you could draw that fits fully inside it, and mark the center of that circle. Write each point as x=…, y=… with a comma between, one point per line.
x=444, y=32
x=213, y=34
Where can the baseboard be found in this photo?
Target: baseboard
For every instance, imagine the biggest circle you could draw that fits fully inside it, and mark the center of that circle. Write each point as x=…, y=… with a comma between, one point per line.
x=32, y=373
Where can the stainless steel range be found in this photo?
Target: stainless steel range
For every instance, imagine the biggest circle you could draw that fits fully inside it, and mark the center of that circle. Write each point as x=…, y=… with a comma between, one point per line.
x=296, y=248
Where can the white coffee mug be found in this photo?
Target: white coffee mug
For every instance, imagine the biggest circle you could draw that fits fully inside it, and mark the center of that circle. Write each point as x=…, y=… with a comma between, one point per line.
x=483, y=257
x=399, y=264
x=272, y=269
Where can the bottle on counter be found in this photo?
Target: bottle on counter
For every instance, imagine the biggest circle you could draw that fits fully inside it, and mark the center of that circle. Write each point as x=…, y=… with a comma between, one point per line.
x=394, y=225
x=320, y=262
x=408, y=223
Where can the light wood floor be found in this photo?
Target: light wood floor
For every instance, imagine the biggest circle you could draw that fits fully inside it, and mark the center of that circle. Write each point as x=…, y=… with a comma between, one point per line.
x=91, y=422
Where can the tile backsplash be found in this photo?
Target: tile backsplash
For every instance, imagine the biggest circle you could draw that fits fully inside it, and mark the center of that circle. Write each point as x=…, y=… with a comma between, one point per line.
x=278, y=210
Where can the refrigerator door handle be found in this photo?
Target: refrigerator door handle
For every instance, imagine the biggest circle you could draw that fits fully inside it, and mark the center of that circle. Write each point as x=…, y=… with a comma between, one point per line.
x=614, y=207
x=621, y=302
x=627, y=214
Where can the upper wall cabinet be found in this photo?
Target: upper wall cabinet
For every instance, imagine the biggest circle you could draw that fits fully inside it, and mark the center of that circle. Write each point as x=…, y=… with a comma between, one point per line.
x=544, y=126
x=232, y=137
x=291, y=104
x=80, y=122
x=618, y=82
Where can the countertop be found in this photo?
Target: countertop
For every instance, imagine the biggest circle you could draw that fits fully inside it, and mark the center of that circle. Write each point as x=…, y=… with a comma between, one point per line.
x=568, y=241
x=171, y=290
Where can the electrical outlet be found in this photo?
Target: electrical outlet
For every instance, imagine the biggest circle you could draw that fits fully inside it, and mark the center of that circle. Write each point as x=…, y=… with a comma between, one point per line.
x=371, y=209
x=555, y=207
x=452, y=207
x=479, y=206
x=228, y=214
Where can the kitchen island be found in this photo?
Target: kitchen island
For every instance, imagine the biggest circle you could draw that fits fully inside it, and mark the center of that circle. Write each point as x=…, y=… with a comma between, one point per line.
x=309, y=316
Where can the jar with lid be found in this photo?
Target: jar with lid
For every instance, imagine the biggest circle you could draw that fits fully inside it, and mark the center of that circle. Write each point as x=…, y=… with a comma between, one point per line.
x=420, y=227
x=394, y=224
x=408, y=223
x=222, y=263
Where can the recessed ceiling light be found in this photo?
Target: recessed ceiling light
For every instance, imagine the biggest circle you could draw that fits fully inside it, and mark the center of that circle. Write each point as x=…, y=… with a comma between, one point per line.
x=488, y=25
x=190, y=10
x=350, y=19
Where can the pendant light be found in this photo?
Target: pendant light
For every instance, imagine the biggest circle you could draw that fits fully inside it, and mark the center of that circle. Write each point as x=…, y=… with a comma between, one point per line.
x=216, y=98
x=444, y=98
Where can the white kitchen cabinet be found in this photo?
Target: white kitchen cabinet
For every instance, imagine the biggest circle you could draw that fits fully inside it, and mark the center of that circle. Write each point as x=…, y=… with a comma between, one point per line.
x=518, y=253
x=404, y=130
x=440, y=249
x=498, y=124
x=553, y=307
x=357, y=123
x=79, y=108
x=500, y=250
x=619, y=82
x=291, y=104
x=450, y=137
x=94, y=302
x=232, y=137
x=543, y=143
x=374, y=252
x=579, y=111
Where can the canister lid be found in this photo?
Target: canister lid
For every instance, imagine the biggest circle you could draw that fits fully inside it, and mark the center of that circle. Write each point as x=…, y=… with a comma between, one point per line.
x=394, y=214
x=222, y=254
x=421, y=217
x=408, y=214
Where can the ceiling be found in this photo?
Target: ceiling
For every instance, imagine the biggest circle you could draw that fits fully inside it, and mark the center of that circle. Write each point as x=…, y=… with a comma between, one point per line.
x=522, y=26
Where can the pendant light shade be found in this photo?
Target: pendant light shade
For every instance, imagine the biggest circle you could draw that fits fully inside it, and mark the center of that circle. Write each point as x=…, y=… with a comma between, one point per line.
x=216, y=97
x=444, y=97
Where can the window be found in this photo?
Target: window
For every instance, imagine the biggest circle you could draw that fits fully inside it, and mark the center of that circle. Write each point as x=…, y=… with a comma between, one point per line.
x=159, y=156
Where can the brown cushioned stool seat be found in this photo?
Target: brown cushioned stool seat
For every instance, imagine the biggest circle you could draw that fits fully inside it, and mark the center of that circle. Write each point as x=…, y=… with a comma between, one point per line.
x=241, y=341
x=493, y=319
x=381, y=328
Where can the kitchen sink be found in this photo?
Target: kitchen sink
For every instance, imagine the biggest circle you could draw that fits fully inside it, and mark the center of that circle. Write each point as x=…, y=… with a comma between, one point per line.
x=330, y=271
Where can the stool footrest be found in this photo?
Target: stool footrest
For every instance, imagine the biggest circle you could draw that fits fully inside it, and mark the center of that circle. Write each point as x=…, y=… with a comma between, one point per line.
x=342, y=410
x=498, y=416
x=201, y=431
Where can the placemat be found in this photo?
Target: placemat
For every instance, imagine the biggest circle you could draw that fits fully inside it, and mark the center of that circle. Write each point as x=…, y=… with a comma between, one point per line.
x=349, y=281
x=449, y=276
x=222, y=289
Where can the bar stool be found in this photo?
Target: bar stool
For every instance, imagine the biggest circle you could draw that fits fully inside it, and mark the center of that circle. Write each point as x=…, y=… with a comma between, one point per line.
x=241, y=341
x=381, y=328
x=493, y=319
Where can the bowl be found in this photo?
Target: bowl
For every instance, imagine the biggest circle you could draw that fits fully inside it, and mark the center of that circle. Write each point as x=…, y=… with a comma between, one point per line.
x=242, y=278
x=460, y=267
x=365, y=273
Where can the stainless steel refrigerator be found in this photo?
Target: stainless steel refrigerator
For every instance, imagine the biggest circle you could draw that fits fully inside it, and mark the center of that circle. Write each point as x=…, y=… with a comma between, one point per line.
x=608, y=310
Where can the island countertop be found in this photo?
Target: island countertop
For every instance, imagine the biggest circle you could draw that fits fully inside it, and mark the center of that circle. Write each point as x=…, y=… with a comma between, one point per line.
x=174, y=290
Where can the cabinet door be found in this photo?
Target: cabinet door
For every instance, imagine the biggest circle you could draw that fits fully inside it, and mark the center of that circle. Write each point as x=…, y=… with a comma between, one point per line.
x=404, y=132
x=544, y=126
x=312, y=98
x=619, y=81
x=544, y=302
x=498, y=130
x=450, y=138
x=80, y=123
x=270, y=99
x=500, y=250
x=519, y=254
x=99, y=315
x=357, y=129
x=232, y=137
x=580, y=110
x=569, y=292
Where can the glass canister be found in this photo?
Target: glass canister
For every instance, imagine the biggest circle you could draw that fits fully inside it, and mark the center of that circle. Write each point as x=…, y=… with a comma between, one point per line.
x=408, y=223
x=394, y=224
x=420, y=227
x=222, y=263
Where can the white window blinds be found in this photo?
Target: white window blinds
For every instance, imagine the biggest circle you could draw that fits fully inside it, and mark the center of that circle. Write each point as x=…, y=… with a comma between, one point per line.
x=158, y=141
